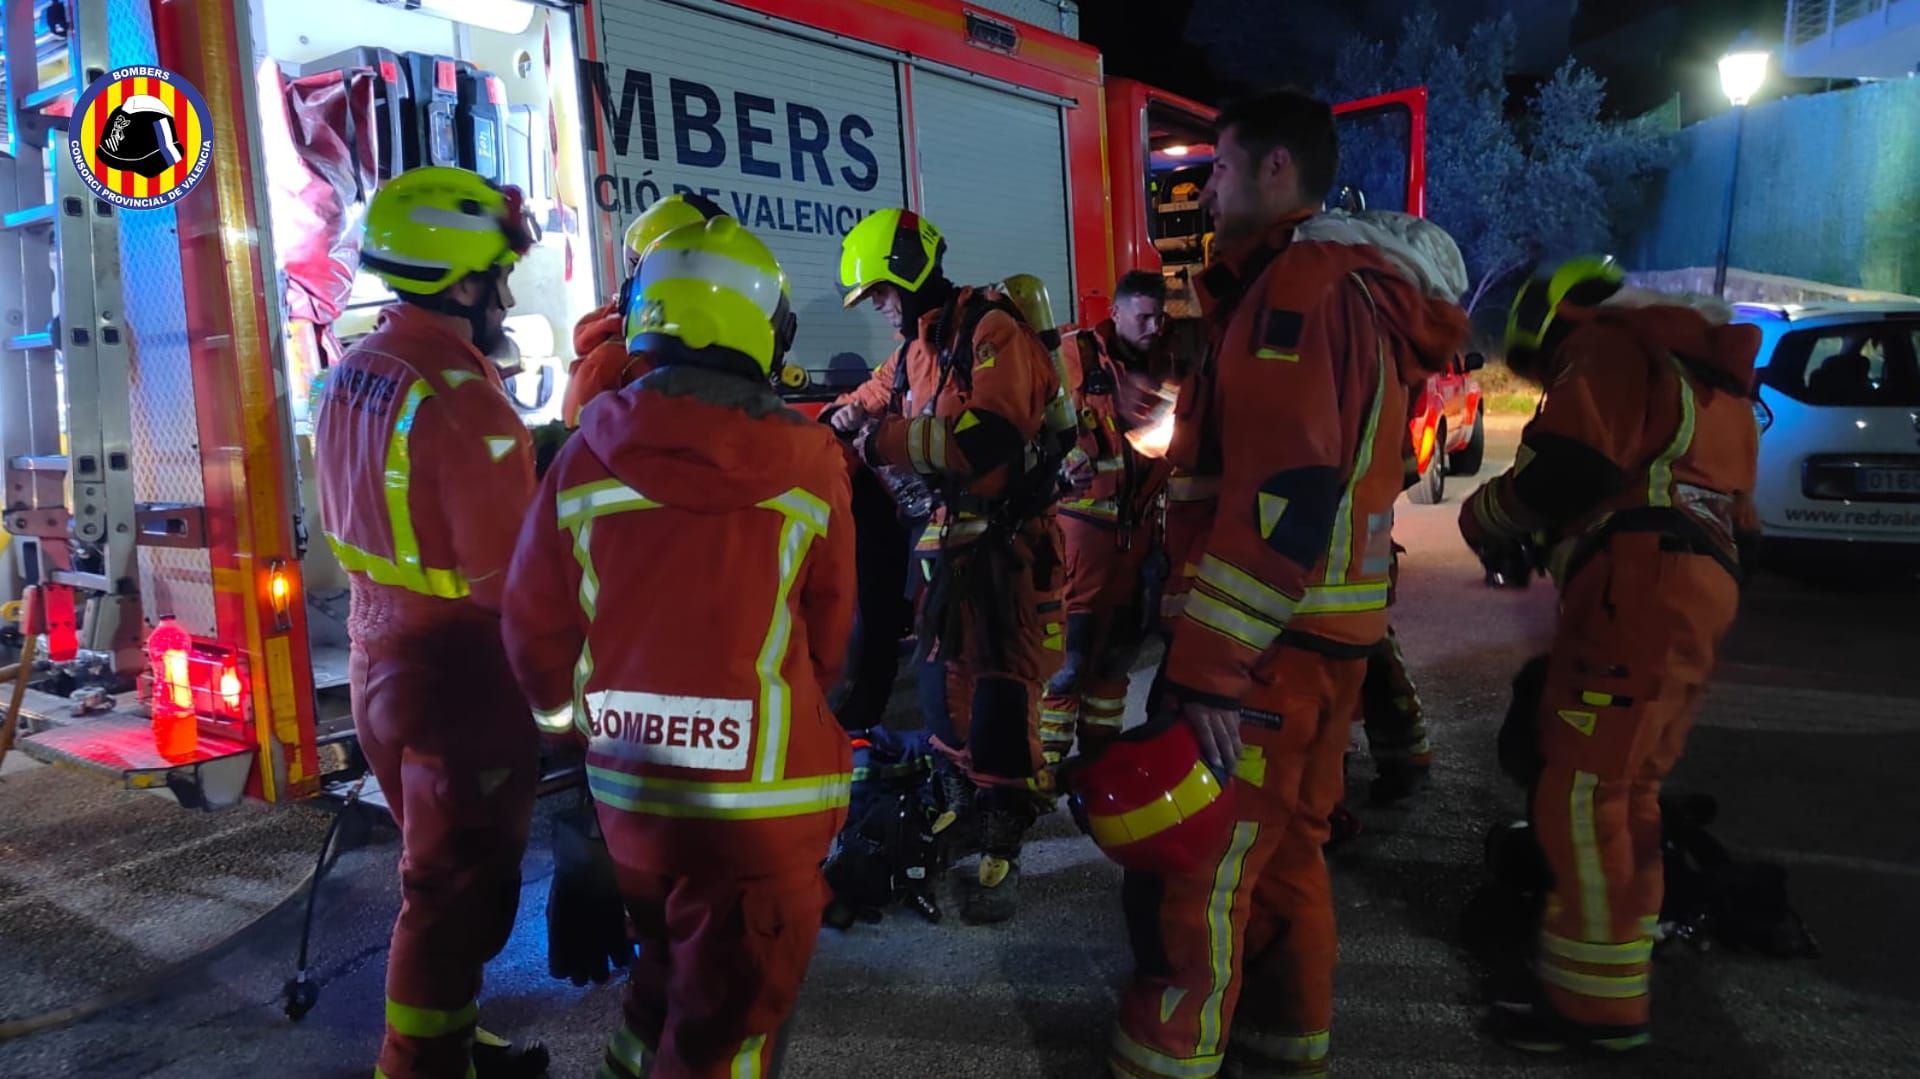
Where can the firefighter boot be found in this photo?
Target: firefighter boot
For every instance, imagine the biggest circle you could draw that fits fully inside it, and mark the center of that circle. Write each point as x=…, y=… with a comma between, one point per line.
x=956, y=826
x=495, y=1057
x=1532, y=1027
x=1343, y=827
x=994, y=895
x=1396, y=779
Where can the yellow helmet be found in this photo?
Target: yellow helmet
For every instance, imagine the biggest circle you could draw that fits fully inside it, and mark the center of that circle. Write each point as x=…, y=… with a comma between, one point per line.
x=1585, y=280
x=713, y=288
x=428, y=228
x=663, y=217
x=892, y=246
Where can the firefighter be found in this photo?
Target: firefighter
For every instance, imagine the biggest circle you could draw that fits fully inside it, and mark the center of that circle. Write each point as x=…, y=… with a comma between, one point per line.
x=681, y=597
x=424, y=471
x=962, y=405
x=1637, y=473
x=599, y=338
x=1110, y=516
x=1296, y=424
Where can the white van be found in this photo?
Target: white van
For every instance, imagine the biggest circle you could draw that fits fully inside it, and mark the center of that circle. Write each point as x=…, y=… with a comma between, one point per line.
x=1839, y=413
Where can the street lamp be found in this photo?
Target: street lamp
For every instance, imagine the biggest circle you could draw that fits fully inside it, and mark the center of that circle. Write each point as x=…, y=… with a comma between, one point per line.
x=1742, y=71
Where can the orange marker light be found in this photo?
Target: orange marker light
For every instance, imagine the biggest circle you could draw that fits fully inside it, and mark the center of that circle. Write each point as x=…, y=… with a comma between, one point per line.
x=280, y=594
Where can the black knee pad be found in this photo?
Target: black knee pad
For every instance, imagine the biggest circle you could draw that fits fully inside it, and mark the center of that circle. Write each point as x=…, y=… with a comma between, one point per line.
x=1140, y=897
x=999, y=737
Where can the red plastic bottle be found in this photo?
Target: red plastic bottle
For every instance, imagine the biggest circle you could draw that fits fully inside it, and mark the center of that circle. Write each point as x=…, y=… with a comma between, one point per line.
x=176, y=728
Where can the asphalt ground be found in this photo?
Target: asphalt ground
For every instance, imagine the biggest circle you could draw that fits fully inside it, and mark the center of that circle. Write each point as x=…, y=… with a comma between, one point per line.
x=1809, y=740
x=102, y=888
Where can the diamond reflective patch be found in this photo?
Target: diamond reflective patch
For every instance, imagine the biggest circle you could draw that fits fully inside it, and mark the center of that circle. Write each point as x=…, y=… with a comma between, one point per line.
x=500, y=446
x=1579, y=721
x=966, y=422
x=1272, y=508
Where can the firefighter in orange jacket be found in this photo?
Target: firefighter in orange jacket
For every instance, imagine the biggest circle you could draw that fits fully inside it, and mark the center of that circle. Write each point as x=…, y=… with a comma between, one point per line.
x=424, y=470
x=1110, y=517
x=599, y=338
x=1297, y=426
x=970, y=420
x=1638, y=470
x=719, y=773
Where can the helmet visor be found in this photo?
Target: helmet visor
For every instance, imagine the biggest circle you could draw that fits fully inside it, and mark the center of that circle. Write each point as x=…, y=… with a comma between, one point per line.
x=859, y=294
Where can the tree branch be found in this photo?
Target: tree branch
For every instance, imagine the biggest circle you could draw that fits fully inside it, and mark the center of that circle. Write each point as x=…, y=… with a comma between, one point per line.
x=1490, y=279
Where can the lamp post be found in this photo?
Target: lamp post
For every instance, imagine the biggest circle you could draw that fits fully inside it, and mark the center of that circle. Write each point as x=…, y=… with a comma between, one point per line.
x=1742, y=71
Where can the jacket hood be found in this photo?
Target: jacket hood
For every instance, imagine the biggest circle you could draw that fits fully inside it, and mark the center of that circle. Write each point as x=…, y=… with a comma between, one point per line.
x=705, y=440
x=1697, y=329
x=1433, y=329
x=1414, y=271
x=1418, y=249
x=1420, y=276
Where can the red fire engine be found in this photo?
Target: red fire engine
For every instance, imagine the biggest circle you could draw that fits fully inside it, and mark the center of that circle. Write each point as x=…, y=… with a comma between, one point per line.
x=160, y=517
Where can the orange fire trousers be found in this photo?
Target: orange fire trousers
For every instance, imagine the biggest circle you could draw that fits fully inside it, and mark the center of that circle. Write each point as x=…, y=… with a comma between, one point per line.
x=1233, y=964
x=1632, y=652
x=719, y=969
x=449, y=737
x=1088, y=696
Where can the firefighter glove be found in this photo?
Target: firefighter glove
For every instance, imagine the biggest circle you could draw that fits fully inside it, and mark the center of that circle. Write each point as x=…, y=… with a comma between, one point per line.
x=865, y=448
x=586, y=920
x=547, y=440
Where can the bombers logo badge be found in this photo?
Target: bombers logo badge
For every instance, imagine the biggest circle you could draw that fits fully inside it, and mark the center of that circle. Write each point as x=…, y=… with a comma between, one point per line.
x=140, y=137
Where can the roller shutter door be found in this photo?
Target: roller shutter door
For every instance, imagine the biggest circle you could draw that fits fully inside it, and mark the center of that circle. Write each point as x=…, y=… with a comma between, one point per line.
x=993, y=177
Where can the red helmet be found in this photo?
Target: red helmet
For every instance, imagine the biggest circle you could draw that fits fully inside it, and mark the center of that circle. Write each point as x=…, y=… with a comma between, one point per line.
x=1151, y=802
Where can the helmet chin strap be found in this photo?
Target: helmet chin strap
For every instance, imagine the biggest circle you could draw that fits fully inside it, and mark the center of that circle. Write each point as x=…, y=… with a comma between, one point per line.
x=932, y=295
x=484, y=337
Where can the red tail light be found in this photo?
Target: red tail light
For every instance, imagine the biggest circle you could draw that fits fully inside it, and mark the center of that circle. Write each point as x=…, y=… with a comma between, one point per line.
x=231, y=692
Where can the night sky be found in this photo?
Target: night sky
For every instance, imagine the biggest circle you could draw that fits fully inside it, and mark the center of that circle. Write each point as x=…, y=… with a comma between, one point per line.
x=1648, y=50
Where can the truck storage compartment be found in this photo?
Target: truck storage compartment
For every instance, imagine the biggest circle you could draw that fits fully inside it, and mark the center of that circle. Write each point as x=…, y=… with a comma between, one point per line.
x=431, y=135
x=391, y=100
x=482, y=117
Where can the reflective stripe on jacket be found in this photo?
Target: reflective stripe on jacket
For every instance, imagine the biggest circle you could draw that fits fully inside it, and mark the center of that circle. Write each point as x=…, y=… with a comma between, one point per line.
x=423, y=464
x=681, y=597
x=1299, y=420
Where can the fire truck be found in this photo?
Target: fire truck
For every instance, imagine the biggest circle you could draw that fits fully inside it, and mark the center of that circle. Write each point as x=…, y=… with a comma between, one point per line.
x=177, y=619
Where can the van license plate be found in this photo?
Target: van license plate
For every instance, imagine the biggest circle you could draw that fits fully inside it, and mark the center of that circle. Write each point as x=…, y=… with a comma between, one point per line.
x=1887, y=481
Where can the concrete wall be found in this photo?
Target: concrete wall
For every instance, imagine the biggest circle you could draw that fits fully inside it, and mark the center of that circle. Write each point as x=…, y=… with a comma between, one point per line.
x=1828, y=190
x=1744, y=286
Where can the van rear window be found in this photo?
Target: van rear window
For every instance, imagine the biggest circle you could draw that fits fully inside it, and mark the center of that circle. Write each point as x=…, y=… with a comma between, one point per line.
x=1859, y=365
